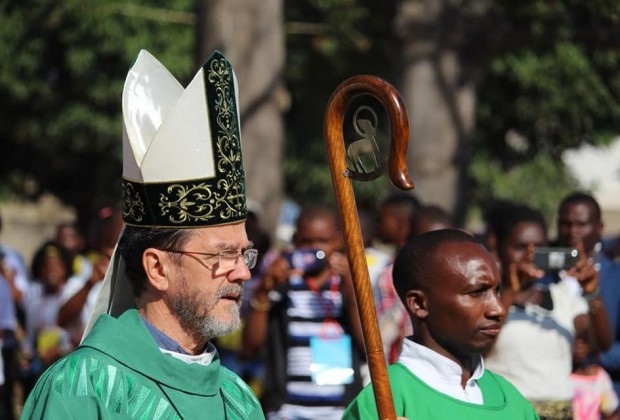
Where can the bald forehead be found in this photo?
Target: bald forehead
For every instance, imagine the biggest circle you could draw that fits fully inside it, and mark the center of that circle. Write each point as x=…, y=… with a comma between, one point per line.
x=454, y=260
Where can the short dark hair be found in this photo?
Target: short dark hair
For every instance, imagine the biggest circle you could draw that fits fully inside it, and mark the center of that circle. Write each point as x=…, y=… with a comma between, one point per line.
x=513, y=215
x=431, y=213
x=415, y=263
x=313, y=212
x=581, y=198
x=401, y=199
x=135, y=240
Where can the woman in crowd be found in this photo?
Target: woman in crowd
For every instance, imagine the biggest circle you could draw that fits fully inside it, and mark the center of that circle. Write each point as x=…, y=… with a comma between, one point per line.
x=45, y=342
x=534, y=348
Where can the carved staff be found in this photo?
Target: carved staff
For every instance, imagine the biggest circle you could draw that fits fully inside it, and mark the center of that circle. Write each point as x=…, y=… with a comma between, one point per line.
x=367, y=165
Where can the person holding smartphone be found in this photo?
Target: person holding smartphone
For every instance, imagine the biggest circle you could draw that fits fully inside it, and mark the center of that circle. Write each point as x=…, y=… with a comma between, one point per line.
x=580, y=224
x=534, y=348
x=303, y=311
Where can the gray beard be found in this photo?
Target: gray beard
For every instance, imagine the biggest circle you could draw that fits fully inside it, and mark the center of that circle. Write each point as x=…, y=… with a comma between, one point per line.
x=195, y=315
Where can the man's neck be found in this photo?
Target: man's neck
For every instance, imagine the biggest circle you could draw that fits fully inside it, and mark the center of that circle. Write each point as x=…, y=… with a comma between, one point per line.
x=168, y=325
x=464, y=362
x=440, y=368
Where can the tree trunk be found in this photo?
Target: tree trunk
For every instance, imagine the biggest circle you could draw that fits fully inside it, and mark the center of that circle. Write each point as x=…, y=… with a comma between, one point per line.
x=250, y=34
x=441, y=100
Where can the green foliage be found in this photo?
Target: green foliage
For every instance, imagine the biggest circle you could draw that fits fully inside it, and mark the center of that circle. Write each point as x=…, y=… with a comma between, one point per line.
x=552, y=84
x=541, y=182
x=64, y=64
x=561, y=100
x=547, y=76
x=559, y=87
x=328, y=41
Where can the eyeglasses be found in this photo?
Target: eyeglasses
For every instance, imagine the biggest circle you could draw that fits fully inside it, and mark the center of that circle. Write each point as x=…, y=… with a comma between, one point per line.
x=227, y=260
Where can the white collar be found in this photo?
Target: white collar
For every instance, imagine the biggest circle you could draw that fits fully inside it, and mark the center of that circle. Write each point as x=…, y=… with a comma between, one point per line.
x=441, y=373
x=204, y=359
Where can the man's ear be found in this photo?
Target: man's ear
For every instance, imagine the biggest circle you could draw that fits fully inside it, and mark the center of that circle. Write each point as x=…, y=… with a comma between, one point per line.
x=157, y=268
x=417, y=304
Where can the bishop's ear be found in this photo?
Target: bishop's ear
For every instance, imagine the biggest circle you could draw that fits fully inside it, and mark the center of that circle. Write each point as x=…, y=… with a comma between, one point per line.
x=416, y=303
x=156, y=267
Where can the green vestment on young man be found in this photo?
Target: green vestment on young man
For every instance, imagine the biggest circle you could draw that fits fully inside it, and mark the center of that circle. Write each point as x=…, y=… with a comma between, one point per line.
x=416, y=400
x=119, y=372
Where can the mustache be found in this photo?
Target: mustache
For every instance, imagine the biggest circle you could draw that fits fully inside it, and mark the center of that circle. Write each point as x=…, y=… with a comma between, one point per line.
x=229, y=289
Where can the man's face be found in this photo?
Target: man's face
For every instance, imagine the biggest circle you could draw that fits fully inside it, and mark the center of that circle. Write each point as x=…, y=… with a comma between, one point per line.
x=394, y=224
x=464, y=307
x=318, y=233
x=577, y=222
x=204, y=297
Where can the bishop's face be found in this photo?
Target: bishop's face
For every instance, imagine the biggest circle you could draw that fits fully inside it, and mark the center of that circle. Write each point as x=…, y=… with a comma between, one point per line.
x=205, y=292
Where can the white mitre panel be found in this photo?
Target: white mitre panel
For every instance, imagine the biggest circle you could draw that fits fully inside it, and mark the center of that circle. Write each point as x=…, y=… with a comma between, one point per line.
x=181, y=149
x=149, y=93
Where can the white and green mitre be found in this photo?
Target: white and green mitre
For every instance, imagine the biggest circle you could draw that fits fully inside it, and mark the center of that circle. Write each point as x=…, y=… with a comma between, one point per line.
x=182, y=164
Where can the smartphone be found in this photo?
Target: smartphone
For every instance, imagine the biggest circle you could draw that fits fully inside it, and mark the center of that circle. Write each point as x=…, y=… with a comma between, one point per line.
x=310, y=261
x=555, y=258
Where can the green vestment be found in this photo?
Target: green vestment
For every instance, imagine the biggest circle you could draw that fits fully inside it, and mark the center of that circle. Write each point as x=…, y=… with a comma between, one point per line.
x=416, y=400
x=119, y=373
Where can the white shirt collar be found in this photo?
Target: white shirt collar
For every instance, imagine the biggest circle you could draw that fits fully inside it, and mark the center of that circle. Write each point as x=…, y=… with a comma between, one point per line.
x=441, y=373
x=204, y=359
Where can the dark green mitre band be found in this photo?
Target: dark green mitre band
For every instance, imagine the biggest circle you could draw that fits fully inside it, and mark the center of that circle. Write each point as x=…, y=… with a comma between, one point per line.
x=212, y=201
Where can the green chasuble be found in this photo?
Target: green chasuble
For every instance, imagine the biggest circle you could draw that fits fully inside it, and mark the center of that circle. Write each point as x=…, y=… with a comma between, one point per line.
x=416, y=400
x=119, y=373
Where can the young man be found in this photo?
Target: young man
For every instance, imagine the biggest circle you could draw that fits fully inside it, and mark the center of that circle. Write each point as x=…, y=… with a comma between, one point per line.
x=580, y=224
x=303, y=312
x=175, y=281
x=450, y=285
x=395, y=216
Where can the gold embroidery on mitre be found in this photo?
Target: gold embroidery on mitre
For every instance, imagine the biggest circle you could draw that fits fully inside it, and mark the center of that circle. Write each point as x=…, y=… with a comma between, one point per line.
x=133, y=208
x=194, y=202
x=228, y=143
x=217, y=197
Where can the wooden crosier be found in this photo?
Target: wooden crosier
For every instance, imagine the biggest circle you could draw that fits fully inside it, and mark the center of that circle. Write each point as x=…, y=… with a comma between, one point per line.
x=397, y=169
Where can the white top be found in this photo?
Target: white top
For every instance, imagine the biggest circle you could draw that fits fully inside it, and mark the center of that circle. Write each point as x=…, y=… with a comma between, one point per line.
x=534, y=348
x=41, y=318
x=441, y=373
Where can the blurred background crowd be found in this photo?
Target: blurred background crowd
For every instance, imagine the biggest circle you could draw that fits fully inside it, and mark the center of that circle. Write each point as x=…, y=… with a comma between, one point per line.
x=45, y=303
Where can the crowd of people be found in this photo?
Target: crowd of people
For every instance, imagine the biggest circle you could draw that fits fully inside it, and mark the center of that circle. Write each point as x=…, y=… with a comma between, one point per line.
x=558, y=344
x=180, y=306
x=45, y=305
